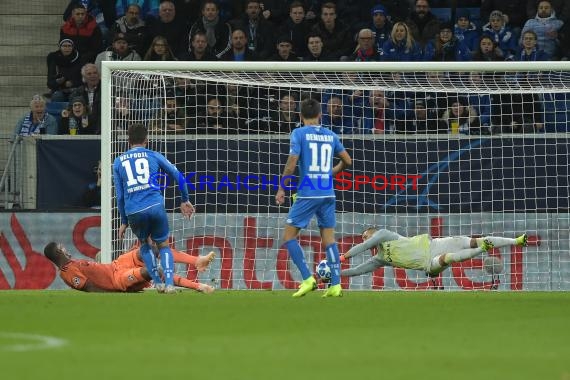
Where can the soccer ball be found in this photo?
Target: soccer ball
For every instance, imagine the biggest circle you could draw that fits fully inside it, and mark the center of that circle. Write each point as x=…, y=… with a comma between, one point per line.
x=323, y=271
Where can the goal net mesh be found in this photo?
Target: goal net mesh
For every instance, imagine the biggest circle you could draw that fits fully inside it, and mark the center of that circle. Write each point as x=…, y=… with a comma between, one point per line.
x=444, y=153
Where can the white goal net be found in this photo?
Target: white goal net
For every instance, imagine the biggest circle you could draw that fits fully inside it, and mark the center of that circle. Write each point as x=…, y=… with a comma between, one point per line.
x=440, y=148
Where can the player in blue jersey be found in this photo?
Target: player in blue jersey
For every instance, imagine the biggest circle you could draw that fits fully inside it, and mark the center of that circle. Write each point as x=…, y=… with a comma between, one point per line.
x=313, y=149
x=141, y=205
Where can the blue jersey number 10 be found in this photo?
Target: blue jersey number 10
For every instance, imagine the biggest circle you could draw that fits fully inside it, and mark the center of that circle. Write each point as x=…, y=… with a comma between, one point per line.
x=320, y=158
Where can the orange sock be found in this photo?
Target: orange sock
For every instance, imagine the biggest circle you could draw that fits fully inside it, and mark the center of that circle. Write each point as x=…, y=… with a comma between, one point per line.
x=186, y=283
x=181, y=257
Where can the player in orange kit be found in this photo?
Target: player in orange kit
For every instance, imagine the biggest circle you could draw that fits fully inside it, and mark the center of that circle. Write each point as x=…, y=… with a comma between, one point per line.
x=125, y=274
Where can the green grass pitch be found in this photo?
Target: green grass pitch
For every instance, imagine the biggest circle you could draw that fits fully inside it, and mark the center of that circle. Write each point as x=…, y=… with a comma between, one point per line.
x=269, y=335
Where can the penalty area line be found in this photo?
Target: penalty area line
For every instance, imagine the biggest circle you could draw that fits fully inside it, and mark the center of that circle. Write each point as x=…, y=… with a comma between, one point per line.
x=29, y=342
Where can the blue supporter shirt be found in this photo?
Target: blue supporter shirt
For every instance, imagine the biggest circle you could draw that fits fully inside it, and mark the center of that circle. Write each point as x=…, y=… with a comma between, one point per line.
x=316, y=147
x=137, y=180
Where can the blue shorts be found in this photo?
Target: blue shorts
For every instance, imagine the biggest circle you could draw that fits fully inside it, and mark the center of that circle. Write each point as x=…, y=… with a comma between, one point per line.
x=152, y=221
x=303, y=210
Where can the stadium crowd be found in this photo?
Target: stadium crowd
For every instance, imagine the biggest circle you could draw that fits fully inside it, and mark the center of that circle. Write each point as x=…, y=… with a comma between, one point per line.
x=312, y=30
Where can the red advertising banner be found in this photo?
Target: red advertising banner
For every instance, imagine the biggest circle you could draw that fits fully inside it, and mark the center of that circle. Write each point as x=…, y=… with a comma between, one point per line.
x=249, y=258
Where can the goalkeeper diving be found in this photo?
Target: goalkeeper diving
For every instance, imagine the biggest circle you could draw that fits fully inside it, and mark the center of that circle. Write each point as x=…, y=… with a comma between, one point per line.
x=420, y=252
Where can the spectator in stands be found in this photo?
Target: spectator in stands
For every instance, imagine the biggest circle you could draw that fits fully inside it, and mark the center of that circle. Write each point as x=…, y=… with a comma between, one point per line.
x=64, y=71
x=381, y=27
x=284, y=47
x=460, y=118
x=229, y=9
x=337, y=116
x=297, y=28
x=436, y=102
x=171, y=118
x=466, y=31
x=376, y=116
x=148, y=8
x=365, y=50
x=315, y=48
x=216, y=120
x=501, y=34
x=284, y=118
x=336, y=36
x=218, y=33
x=259, y=31
x=397, y=10
x=37, y=121
x=401, y=45
x=446, y=47
x=91, y=92
x=488, y=50
x=481, y=102
x=92, y=196
x=170, y=26
x=118, y=51
x=159, y=50
x=274, y=11
x=423, y=24
x=518, y=113
x=133, y=27
x=122, y=112
x=424, y=120
x=103, y=11
x=513, y=11
x=239, y=50
x=82, y=29
x=199, y=50
x=530, y=50
x=76, y=119
x=561, y=7
x=546, y=26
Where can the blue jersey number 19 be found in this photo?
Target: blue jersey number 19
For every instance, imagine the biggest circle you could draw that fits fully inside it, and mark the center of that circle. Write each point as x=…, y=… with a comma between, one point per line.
x=141, y=168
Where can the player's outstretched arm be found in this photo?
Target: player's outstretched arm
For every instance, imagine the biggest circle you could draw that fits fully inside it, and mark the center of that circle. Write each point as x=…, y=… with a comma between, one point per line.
x=119, y=192
x=288, y=171
x=187, y=209
x=377, y=238
x=368, y=266
x=345, y=162
x=122, y=230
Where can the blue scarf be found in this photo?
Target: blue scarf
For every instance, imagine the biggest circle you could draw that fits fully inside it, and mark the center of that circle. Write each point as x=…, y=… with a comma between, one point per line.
x=28, y=127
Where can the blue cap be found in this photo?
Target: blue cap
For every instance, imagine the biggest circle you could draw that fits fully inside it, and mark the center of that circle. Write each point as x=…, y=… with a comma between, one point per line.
x=378, y=9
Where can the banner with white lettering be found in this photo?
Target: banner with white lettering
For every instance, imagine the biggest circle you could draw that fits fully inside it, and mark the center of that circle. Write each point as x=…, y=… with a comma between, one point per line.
x=250, y=255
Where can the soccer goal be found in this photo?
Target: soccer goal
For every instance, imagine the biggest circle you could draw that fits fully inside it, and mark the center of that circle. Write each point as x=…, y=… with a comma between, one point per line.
x=439, y=148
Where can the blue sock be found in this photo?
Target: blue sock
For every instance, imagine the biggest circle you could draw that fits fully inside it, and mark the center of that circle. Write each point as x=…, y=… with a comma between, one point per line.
x=167, y=263
x=150, y=262
x=333, y=258
x=298, y=257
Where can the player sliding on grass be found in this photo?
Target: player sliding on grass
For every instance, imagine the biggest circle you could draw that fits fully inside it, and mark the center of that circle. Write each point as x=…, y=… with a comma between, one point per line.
x=313, y=148
x=420, y=252
x=125, y=274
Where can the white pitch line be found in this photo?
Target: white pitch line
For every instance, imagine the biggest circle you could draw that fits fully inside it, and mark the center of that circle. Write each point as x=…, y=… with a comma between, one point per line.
x=34, y=342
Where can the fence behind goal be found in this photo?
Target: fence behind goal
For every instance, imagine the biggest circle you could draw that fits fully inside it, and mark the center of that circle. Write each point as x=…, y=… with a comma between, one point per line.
x=456, y=149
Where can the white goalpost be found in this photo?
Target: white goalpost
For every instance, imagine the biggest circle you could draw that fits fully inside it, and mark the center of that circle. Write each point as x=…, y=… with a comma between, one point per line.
x=444, y=148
